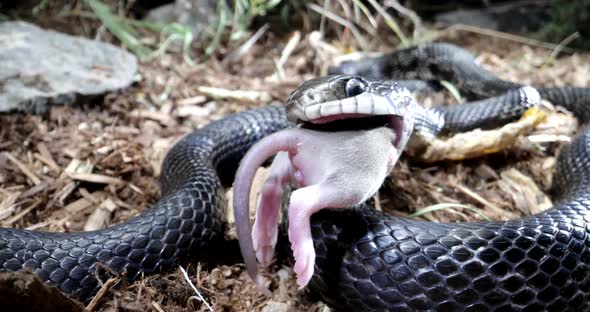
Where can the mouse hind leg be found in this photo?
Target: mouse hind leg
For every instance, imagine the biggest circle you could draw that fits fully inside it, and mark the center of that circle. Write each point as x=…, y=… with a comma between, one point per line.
x=265, y=230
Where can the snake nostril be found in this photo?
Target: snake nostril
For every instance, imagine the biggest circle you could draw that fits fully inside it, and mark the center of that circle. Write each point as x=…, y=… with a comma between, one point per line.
x=313, y=97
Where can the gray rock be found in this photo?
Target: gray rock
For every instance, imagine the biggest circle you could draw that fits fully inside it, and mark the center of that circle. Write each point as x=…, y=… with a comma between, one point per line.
x=43, y=67
x=195, y=14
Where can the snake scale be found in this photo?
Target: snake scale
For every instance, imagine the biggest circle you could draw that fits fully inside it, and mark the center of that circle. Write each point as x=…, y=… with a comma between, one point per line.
x=365, y=260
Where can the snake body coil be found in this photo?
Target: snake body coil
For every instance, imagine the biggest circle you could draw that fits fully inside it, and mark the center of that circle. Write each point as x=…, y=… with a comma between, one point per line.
x=366, y=260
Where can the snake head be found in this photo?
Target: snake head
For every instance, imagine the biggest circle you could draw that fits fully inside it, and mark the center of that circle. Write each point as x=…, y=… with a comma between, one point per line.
x=331, y=99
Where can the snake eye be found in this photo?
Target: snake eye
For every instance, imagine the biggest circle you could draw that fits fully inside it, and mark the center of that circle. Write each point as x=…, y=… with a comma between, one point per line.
x=354, y=87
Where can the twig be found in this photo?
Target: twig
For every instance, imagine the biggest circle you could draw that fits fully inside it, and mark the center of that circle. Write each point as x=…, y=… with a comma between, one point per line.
x=365, y=10
x=23, y=168
x=56, y=223
x=289, y=47
x=345, y=9
x=244, y=95
x=408, y=13
x=135, y=188
x=287, y=51
x=66, y=191
x=246, y=46
x=357, y=35
x=94, y=178
x=559, y=48
x=377, y=200
x=21, y=214
x=140, y=289
x=157, y=306
x=448, y=207
x=188, y=280
x=100, y=294
x=505, y=36
x=88, y=196
x=322, y=28
x=549, y=138
x=369, y=28
x=480, y=199
x=391, y=23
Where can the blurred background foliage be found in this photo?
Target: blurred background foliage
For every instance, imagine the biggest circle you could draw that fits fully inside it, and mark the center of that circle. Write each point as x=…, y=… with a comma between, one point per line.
x=233, y=22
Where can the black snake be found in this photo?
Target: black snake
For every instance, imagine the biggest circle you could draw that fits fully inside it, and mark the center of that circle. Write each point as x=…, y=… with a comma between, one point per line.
x=366, y=260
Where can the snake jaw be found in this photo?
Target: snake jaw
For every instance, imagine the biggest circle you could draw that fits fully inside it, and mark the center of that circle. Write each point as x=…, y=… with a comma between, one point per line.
x=329, y=99
x=376, y=99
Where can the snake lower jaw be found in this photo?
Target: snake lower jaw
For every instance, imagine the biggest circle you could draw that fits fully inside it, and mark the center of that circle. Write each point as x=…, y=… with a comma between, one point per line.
x=331, y=118
x=359, y=122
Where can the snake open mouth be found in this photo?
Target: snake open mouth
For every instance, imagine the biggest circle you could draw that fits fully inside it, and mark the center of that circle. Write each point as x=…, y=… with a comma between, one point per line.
x=356, y=122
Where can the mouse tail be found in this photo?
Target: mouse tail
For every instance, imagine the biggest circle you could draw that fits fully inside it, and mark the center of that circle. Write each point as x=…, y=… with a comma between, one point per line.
x=283, y=141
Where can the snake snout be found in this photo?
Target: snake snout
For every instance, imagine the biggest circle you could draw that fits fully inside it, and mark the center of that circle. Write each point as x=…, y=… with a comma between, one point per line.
x=326, y=96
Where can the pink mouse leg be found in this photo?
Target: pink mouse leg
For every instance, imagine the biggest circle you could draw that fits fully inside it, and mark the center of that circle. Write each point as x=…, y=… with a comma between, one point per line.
x=303, y=203
x=265, y=230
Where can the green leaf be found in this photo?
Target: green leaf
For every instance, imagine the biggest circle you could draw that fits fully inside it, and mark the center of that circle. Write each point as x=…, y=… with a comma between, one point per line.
x=453, y=90
x=118, y=28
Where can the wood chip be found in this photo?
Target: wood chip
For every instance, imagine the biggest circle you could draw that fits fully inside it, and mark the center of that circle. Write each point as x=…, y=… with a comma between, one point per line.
x=243, y=95
x=65, y=192
x=85, y=202
x=123, y=204
x=467, y=191
x=23, y=168
x=163, y=118
x=46, y=157
x=51, y=222
x=101, y=217
x=71, y=167
x=7, y=205
x=95, y=178
x=126, y=130
x=35, y=190
x=78, y=206
x=195, y=111
x=527, y=196
x=192, y=100
x=89, y=196
x=22, y=213
x=10, y=189
x=103, y=150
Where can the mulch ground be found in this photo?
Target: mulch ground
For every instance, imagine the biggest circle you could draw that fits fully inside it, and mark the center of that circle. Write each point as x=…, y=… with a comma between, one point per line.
x=96, y=164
